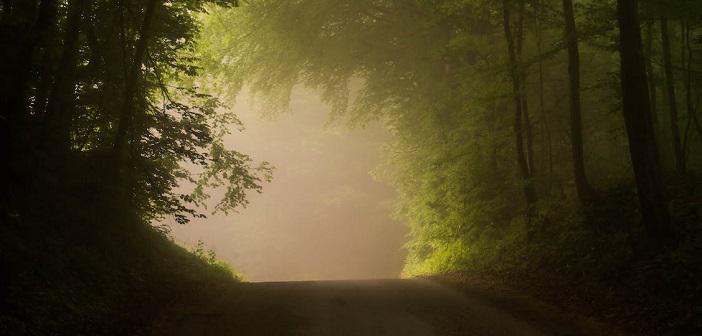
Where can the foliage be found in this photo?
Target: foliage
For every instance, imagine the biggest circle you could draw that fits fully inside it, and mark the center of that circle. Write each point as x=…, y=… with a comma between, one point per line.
x=112, y=282
x=210, y=257
x=99, y=127
x=104, y=103
x=435, y=72
x=119, y=94
x=438, y=75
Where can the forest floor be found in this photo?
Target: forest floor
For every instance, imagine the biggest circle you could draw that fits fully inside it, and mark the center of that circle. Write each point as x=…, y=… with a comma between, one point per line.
x=371, y=307
x=623, y=312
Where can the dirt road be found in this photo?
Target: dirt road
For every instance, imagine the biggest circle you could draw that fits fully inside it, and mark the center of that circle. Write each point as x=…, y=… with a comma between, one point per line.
x=373, y=307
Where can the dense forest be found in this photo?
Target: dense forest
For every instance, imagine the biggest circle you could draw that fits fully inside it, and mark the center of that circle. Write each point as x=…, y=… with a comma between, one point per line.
x=553, y=143
x=97, y=125
x=557, y=141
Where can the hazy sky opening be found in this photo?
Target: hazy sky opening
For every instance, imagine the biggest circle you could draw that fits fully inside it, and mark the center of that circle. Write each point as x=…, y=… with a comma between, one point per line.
x=323, y=217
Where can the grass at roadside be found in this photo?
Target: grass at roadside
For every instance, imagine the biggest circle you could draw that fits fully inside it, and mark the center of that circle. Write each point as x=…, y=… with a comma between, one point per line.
x=97, y=282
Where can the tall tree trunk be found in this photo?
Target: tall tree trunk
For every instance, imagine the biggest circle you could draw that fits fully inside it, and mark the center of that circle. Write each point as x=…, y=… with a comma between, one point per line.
x=528, y=129
x=576, y=124
x=672, y=103
x=689, y=103
x=13, y=100
x=132, y=80
x=515, y=74
x=692, y=109
x=43, y=88
x=548, y=146
x=61, y=101
x=652, y=85
x=639, y=126
x=494, y=143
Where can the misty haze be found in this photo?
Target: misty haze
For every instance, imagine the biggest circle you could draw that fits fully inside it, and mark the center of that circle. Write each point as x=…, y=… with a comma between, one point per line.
x=323, y=216
x=350, y=167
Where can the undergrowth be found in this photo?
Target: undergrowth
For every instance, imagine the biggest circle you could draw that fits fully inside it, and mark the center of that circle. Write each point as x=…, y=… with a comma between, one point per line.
x=596, y=258
x=85, y=278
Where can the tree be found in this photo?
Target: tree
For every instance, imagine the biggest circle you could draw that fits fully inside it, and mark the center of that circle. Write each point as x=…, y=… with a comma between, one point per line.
x=449, y=79
x=639, y=125
x=26, y=26
x=90, y=82
x=576, y=125
x=60, y=106
x=672, y=101
x=515, y=70
x=652, y=82
x=132, y=79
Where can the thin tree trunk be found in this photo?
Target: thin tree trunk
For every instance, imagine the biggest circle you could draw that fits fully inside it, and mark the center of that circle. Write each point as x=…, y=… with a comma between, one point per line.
x=13, y=101
x=696, y=122
x=43, y=88
x=132, y=80
x=47, y=64
x=494, y=143
x=548, y=147
x=693, y=107
x=543, y=162
x=522, y=163
x=528, y=129
x=691, y=117
x=672, y=103
x=652, y=85
x=62, y=98
x=576, y=125
x=639, y=125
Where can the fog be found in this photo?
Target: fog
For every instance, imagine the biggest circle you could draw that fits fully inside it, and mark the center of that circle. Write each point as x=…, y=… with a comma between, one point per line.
x=323, y=217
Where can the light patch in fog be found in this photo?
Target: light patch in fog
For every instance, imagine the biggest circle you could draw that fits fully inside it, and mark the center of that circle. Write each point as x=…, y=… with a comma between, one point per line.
x=322, y=217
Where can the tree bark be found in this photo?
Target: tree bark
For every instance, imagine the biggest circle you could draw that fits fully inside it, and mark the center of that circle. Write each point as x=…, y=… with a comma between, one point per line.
x=652, y=85
x=515, y=74
x=689, y=85
x=62, y=98
x=672, y=102
x=13, y=100
x=548, y=146
x=528, y=129
x=132, y=80
x=582, y=185
x=689, y=103
x=639, y=126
